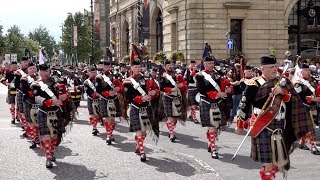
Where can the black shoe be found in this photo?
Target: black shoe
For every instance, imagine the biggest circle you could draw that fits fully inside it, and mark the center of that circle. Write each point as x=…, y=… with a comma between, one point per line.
x=196, y=121
x=24, y=134
x=53, y=158
x=109, y=140
x=95, y=132
x=209, y=149
x=33, y=145
x=49, y=164
x=305, y=147
x=214, y=155
x=315, y=151
x=13, y=121
x=22, y=127
x=137, y=151
x=18, y=120
x=172, y=138
x=143, y=157
x=37, y=141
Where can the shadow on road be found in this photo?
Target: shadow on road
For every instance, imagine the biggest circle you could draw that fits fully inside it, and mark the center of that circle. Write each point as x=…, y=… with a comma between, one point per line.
x=63, y=152
x=167, y=165
x=72, y=171
x=190, y=141
x=243, y=162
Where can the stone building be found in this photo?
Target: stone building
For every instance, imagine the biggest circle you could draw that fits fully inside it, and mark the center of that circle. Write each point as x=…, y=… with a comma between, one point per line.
x=101, y=23
x=257, y=27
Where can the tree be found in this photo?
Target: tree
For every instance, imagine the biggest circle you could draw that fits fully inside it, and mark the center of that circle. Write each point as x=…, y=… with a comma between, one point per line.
x=42, y=36
x=83, y=50
x=15, y=41
x=32, y=45
x=2, y=41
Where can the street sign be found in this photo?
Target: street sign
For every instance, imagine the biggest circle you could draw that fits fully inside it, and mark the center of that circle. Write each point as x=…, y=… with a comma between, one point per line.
x=230, y=44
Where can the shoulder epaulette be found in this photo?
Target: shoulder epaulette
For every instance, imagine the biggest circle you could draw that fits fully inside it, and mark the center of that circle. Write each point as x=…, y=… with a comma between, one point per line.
x=252, y=82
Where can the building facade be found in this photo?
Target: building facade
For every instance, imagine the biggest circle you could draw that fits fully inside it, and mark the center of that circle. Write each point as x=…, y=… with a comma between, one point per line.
x=257, y=27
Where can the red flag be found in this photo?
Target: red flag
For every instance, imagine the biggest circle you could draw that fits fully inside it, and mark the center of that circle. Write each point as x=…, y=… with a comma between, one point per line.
x=134, y=53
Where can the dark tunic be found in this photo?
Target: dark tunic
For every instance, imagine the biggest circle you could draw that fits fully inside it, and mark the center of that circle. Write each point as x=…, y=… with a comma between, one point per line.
x=296, y=123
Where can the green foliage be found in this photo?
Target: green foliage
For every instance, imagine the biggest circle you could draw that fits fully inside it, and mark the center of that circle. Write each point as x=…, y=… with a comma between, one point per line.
x=2, y=41
x=177, y=56
x=84, y=38
x=14, y=41
x=42, y=36
x=160, y=57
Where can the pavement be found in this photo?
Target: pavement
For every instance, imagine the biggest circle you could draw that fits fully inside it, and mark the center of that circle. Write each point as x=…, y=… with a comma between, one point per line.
x=83, y=156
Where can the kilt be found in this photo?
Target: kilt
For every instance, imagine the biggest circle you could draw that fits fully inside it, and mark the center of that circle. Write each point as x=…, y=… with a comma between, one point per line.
x=103, y=107
x=20, y=101
x=26, y=109
x=192, y=92
x=205, y=113
x=89, y=105
x=134, y=118
x=167, y=106
x=76, y=98
x=11, y=98
x=42, y=119
x=261, y=145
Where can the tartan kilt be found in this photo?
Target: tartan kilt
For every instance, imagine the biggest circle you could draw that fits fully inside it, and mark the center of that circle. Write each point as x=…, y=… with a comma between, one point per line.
x=261, y=145
x=135, y=124
x=103, y=107
x=76, y=101
x=89, y=105
x=205, y=114
x=192, y=96
x=42, y=119
x=26, y=109
x=20, y=101
x=11, y=98
x=167, y=106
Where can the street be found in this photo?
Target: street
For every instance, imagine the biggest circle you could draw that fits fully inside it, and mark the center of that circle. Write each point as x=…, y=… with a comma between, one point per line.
x=83, y=156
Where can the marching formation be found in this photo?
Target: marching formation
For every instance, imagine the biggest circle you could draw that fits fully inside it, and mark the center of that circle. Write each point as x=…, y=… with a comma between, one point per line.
x=272, y=105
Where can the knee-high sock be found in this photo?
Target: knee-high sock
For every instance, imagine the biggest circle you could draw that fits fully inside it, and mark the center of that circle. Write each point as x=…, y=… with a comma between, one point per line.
x=94, y=121
x=34, y=134
x=48, y=148
x=140, y=139
x=171, y=125
x=211, y=136
x=193, y=113
x=110, y=126
x=12, y=111
x=268, y=174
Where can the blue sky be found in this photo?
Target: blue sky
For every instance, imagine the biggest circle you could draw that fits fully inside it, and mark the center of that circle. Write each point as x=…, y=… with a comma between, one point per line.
x=30, y=14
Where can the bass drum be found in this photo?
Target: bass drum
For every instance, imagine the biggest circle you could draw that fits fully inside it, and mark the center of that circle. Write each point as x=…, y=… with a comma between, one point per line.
x=197, y=97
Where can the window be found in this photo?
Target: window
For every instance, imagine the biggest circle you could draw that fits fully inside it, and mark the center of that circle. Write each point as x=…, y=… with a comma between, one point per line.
x=159, y=32
x=173, y=36
x=236, y=34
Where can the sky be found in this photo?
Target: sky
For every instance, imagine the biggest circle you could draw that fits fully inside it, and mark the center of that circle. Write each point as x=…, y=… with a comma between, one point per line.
x=30, y=14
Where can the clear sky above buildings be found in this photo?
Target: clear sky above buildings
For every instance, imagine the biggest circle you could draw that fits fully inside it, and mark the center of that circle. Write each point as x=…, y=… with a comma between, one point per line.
x=30, y=14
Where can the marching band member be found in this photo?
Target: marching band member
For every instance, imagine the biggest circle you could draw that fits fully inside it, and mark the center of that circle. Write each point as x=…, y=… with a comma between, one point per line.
x=174, y=88
x=309, y=91
x=31, y=108
x=211, y=96
x=50, y=115
x=139, y=93
x=192, y=90
x=281, y=121
x=92, y=100
x=8, y=80
x=18, y=74
x=108, y=86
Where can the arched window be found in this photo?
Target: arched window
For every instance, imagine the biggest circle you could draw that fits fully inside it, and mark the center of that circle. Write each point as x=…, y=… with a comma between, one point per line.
x=304, y=28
